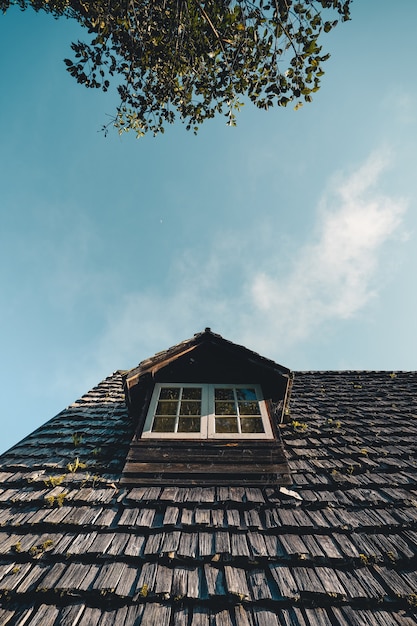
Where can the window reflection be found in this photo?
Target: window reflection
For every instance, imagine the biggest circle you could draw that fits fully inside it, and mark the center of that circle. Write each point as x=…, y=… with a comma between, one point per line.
x=191, y=393
x=190, y=407
x=239, y=402
x=164, y=424
x=251, y=425
x=249, y=408
x=189, y=425
x=246, y=394
x=223, y=394
x=174, y=408
x=226, y=425
x=166, y=407
x=224, y=410
x=169, y=393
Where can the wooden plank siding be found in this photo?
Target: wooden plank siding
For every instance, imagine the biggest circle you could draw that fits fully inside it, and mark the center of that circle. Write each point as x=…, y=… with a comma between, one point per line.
x=207, y=462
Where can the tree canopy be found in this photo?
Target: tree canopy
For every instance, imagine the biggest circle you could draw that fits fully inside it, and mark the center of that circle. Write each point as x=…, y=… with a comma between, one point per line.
x=197, y=58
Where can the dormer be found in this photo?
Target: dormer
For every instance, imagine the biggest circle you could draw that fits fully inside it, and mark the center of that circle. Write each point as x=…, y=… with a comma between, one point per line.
x=207, y=411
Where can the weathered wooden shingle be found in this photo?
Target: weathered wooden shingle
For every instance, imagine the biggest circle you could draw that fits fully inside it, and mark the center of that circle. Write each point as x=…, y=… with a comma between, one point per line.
x=337, y=548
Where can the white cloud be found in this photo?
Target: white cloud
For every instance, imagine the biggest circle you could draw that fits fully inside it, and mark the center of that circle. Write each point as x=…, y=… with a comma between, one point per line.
x=334, y=276
x=241, y=290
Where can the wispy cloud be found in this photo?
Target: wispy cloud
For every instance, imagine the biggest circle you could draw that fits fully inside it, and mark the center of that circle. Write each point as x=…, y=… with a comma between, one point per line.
x=241, y=290
x=333, y=276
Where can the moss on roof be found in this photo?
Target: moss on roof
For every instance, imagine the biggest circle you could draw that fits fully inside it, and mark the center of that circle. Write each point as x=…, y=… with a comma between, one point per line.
x=337, y=548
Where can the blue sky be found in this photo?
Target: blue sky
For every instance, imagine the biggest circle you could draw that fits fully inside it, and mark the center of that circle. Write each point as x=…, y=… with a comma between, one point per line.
x=293, y=234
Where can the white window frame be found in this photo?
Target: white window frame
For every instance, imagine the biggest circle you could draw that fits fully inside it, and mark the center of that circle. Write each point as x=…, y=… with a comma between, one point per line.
x=207, y=424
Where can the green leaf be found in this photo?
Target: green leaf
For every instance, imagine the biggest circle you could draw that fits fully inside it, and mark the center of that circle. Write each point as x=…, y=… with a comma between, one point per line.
x=195, y=60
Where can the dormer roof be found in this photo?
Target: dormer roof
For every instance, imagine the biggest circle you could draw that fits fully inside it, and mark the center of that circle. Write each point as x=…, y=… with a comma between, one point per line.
x=212, y=348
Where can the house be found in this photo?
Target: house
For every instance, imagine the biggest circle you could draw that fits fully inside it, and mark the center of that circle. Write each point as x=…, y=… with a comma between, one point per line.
x=210, y=486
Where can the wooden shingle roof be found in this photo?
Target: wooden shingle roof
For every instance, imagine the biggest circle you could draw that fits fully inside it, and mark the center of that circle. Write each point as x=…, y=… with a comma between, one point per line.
x=335, y=548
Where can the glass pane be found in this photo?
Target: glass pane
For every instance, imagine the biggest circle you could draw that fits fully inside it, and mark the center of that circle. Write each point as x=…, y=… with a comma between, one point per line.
x=190, y=407
x=249, y=408
x=169, y=393
x=226, y=425
x=162, y=424
x=166, y=407
x=189, y=425
x=223, y=394
x=246, y=394
x=191, y=393
x=251, y=425
x=225, y=408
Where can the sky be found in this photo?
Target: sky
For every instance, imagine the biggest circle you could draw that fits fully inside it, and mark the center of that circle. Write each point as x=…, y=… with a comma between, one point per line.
x=293, y=234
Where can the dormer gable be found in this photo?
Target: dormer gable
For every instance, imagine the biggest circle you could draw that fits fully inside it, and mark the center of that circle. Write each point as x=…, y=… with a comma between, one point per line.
x=207, y=410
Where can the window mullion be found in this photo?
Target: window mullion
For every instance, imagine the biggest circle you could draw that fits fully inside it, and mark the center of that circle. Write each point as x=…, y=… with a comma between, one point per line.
x=209, y=411
x=177, y=417
x=239, y=430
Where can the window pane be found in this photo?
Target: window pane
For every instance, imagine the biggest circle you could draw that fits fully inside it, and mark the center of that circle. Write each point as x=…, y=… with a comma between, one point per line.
x=166, y=407
x=225, y=408
x=169, y=393
x=226, y=425
x=191, y=393
x=223, y=394
x=251, y=425
x=249, y=408
x=246, y=394
x=189, y=425
x=190, y=407
x=162, y=424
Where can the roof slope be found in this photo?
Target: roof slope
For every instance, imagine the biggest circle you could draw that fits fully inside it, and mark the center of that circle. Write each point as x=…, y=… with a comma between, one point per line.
x=204, y=338
x=77, y=548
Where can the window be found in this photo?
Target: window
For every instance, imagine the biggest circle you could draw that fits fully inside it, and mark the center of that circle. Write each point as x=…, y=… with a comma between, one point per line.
x=203, y=411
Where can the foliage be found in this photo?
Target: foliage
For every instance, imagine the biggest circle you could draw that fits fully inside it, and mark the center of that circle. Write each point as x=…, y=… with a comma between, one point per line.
x=75, y=465
x=197, y=58
x=77, y=439
x=58, y=499
x=54, y=481
x=299, y=426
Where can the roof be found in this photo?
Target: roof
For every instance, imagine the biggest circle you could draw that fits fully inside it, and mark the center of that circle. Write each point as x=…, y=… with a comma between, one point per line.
x=209, y=340
x=336, y=548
